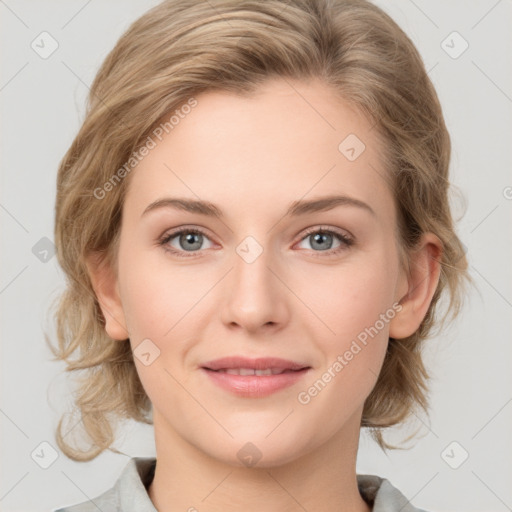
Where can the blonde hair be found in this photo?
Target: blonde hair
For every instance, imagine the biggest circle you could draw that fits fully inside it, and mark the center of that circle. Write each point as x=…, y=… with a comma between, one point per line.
x=181, y=48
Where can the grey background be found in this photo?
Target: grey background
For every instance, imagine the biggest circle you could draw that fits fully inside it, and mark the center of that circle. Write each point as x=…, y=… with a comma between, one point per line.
x=42, y=105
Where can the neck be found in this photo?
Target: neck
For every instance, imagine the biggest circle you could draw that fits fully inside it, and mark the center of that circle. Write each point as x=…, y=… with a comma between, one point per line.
x=188, y=479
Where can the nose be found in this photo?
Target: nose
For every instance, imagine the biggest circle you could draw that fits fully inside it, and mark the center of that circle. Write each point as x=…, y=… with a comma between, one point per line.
x=256, y=295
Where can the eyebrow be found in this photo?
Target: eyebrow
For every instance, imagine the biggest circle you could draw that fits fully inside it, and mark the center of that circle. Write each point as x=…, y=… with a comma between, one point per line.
x=296, y=208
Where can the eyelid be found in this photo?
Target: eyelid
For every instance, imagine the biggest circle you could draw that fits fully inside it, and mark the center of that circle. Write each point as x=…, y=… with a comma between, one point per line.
x=177, y=230
x=346, y=235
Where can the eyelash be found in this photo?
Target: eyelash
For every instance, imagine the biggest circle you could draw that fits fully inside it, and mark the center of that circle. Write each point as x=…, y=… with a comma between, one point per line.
x=345, y=240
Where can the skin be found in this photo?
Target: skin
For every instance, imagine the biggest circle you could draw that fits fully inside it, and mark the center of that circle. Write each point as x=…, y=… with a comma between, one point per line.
x=252, y=157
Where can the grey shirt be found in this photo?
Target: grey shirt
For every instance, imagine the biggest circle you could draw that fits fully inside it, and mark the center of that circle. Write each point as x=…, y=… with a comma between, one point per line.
x=129, y=494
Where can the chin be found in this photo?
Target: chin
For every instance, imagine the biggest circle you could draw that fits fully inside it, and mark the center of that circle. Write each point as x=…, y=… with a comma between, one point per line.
x=258, y=451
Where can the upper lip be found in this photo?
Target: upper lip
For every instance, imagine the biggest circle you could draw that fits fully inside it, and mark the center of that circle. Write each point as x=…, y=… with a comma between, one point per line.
x=261, y=363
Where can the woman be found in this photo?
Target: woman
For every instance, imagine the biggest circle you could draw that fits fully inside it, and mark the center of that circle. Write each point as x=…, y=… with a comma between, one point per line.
x=255, y=225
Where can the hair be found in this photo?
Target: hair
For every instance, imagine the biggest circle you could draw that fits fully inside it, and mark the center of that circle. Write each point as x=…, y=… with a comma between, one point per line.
x=166, y=58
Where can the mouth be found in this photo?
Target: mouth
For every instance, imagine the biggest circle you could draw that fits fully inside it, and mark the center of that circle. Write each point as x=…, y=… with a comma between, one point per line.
x=254, y=378
x=253, y=371
x=236, y=365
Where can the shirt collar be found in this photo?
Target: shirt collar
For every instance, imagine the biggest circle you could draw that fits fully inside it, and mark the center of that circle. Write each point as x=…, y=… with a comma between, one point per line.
x=134, y=481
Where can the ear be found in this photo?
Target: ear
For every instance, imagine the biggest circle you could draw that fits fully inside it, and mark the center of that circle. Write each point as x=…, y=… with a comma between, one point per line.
x=105, y=285
x=420, y=284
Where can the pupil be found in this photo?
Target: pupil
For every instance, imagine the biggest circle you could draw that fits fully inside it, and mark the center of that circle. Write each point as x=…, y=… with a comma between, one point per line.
x=192, y=238
x=318, y=237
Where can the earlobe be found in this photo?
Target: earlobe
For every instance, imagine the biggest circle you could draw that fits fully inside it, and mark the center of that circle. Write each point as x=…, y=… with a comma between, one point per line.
x=422, y=280
x=105, y=285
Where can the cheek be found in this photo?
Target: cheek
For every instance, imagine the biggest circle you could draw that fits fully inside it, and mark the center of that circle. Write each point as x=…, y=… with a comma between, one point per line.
x=353, y=307
x=156, y=295
x=349, y=298
x=157, y=300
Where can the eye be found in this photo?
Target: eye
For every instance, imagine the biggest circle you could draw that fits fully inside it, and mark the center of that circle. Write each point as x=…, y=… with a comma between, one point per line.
x=184, y=240
x=190, y=240
x=323, y=238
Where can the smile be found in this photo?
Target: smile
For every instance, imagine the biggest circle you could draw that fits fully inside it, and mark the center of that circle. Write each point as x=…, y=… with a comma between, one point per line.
x=251, y=383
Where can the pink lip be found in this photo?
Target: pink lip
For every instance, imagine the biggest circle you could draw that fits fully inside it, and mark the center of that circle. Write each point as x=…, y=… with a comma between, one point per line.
x=255, y=386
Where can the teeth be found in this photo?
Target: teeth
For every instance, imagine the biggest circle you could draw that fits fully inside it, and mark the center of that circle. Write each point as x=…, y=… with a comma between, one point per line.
x=268, y=371
x=232, y=371
x=251, y=371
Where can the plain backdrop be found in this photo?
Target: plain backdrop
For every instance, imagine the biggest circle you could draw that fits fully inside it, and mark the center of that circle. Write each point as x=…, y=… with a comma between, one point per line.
x=462, y=457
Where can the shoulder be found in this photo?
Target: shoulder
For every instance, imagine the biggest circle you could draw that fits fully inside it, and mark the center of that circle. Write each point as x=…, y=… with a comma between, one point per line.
x=108, y=501
x=129, y=493
x=383, y=496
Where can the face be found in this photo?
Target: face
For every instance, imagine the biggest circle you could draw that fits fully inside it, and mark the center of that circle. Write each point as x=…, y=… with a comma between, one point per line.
x=266, y=277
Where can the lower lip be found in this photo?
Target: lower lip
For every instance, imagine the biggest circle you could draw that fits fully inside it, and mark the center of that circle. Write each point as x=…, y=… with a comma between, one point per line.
x=255, y=386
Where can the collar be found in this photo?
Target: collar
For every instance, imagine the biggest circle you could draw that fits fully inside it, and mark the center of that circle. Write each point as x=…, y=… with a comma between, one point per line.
x=131, y=489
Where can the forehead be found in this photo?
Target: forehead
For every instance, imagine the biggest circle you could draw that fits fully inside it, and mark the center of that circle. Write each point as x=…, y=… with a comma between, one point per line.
x=286, y=141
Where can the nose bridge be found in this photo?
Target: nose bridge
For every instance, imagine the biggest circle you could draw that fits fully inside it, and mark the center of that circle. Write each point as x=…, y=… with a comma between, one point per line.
x=254, y=298
x=252, y=262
